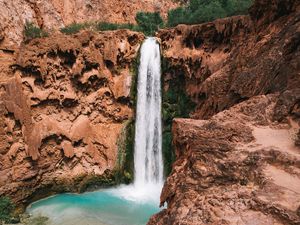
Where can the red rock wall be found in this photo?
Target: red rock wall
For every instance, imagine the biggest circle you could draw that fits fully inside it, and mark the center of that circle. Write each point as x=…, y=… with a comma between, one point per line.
x=63, y=108
x=55, y=14
x=241, y=164
x=232, y=59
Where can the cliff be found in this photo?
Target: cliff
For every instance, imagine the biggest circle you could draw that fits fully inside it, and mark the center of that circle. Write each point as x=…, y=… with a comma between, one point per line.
x=237, y=159
x=233, y=59
x=54, y=14
x=65, y=101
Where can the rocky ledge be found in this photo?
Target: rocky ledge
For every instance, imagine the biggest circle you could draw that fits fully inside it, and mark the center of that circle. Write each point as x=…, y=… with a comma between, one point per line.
x=239, y=167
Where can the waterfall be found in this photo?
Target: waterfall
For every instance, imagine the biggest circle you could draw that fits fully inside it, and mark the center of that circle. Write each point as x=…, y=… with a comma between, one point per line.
x=148, y=163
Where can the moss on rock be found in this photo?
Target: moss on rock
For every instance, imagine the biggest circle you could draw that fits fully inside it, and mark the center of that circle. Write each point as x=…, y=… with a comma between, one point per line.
x=175, y=103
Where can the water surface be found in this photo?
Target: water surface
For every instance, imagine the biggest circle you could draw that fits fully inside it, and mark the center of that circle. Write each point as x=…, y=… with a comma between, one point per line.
x=117, y=206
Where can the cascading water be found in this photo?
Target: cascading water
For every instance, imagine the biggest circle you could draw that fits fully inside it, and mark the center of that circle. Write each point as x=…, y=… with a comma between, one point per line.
x=127, y=204
x=148, y=164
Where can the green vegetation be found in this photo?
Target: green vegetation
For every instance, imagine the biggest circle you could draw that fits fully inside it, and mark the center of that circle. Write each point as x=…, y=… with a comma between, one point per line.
x=75, y=28
x=148, y=23
x=124, y=171
x=196, y=11
x=6, y=209
x=175, y=103
x=199, y=11
x=31, y=31
x=102, y=26
x=125, y=167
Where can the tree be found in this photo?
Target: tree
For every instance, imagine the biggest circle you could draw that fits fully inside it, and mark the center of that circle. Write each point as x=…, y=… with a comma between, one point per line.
x=149, y=22
x=6, y=209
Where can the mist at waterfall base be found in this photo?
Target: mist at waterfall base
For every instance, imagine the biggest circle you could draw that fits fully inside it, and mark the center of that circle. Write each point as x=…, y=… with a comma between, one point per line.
x=126, y=204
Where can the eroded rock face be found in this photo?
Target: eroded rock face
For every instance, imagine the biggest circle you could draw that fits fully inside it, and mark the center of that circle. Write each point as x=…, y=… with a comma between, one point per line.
x=55, y=14
x=62, y=110
x=233, y=59
x=241, y=164
x=239, y=167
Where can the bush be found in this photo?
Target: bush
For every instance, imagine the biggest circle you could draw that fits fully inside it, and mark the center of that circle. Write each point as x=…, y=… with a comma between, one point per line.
x=148, y=22
x=199, y=11
x=176, y=16
x=102, y=26
x=6, y=209
x=31, y=31
x=74, y=28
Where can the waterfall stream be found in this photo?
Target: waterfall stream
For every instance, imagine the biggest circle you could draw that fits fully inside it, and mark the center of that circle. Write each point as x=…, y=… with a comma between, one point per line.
x=148, y=163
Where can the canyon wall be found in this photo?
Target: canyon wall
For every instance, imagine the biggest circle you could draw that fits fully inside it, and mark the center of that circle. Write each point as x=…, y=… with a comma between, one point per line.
x=65, y=102
x=54, y=14
x=232, y=59
x=237, y=158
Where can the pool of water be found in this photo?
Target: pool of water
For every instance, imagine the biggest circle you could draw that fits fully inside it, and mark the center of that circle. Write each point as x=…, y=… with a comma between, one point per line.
x=117, y=206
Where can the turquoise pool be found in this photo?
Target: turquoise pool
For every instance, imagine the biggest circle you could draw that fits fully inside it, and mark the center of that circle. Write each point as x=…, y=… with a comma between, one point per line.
x=107, y=207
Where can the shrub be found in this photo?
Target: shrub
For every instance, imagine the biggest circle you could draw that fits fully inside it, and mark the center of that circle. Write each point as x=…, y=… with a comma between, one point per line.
x=176, y=16
x=6, y=209
x=199, y=11
x=31, y=31
x=207, y=12
x=102, y=26
x=75, y=28
x=148, y=22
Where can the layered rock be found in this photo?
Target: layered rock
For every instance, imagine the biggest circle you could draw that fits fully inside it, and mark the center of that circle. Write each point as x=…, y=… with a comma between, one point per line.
x=230, y=60
x=241, y=164
x=54, y=14
x=239, y=167
x=63, y=108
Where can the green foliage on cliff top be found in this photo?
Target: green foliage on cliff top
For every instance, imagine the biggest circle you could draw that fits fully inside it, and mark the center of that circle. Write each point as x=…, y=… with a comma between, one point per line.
x=147, y=22
x=199, y=11
x=75, y=28
x=31, y=31
x=102, y=26
x=6, y=209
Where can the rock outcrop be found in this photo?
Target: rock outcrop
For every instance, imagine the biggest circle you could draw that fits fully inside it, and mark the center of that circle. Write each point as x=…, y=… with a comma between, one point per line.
x=64, y=103
x=239, y=167
x=231, y=60
x=237, y=158
x=54, y=14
